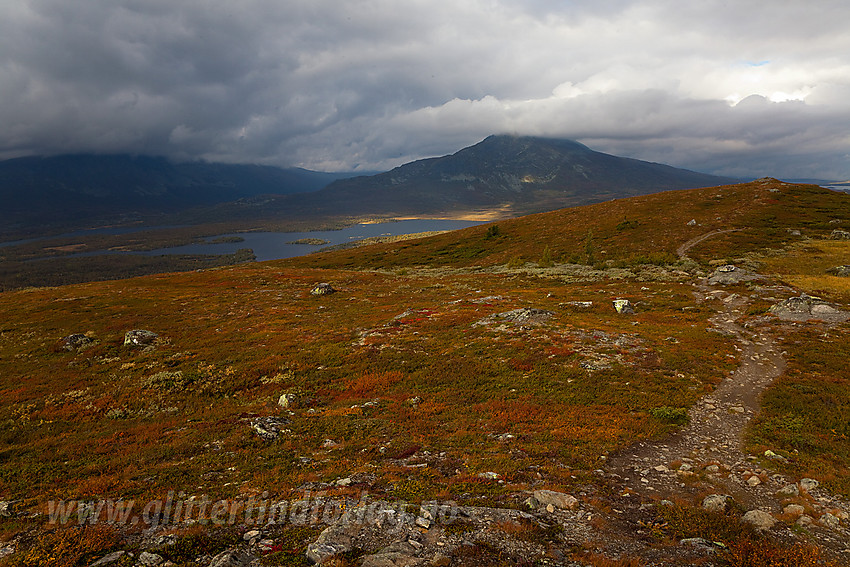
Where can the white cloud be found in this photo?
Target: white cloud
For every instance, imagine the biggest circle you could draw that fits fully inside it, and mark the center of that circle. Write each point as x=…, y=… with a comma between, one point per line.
x=324, y=84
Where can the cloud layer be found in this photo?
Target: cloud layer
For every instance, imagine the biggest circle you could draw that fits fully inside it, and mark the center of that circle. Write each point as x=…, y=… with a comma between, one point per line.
x=743, y=88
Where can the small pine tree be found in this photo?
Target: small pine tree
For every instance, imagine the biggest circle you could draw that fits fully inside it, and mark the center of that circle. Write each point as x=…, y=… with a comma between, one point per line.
x=493, y=232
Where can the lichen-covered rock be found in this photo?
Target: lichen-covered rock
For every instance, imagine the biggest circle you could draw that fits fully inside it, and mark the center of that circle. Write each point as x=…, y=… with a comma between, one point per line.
x=74, y=342
x=716, y=502
x=268, y=427
x=322, y=289
x=232, y=558
x=287, y=400
x=7, y=508
x=526, y=316
x=841, y=271
x=830, y=521
x=522, y=317
x=839, y=234
x=140, y=338
x=788, y=491
x=623, y=306
x=808, y=307
x=808, y=484
x=150, y=559
x=759, y=519
x=556, y=499
x=730, y=274
x=111, y=558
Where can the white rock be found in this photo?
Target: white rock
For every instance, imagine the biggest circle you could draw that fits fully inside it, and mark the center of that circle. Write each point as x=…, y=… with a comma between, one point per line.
x=808, y=484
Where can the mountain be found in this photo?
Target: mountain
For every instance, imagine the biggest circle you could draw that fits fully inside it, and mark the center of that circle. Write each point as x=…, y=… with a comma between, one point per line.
x=511, y=173
x=77, y=190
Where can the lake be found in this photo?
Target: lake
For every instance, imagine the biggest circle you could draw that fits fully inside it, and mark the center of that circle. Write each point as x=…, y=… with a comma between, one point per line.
x=275, y=245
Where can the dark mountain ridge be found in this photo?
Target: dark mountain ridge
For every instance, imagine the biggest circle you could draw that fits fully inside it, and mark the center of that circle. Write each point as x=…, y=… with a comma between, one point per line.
x=80, y=189
x=526, y=174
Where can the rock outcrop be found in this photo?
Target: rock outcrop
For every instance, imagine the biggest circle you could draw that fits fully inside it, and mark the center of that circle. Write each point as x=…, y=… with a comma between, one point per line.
x=806, y=307
x=322, y=289
x=730, y=274
x=140, y=338
x=74, y=342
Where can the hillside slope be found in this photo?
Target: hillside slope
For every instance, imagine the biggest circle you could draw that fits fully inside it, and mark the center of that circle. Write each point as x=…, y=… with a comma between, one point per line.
x=763, y=214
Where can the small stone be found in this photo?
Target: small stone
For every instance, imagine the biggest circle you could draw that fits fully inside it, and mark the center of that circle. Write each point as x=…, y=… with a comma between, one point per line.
x=759, y=519
x=716, y=502
x=662, y=468
x=107, y=559
x=754, y=481
x=287, y=400
x=692, y=222
x=685, y=467
x=140, y=338
x=793, y=510
x=623, y=306
x=489, y=475
x=147, y=558
x=737, y=409
x=440, y=560
x=808, y=484
x=74, y=342
x=788, y=491
x=232, y=558
x=7, y=508
x=805, y=521
x=322, y=289
x=829, y=521
x=422, y=522
x=253, y=534
x=556, y=499
x=712, y=469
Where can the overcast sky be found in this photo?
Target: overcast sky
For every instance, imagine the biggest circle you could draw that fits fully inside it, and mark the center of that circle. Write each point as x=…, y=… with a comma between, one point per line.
x=744, y=87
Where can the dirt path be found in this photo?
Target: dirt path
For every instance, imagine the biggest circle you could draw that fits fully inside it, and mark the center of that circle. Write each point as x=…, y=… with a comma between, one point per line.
x=717, y=422
x=705, y=456
x=682, y=250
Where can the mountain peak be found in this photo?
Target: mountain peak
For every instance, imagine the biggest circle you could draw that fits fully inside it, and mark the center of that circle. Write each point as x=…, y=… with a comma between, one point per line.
x=522, y=174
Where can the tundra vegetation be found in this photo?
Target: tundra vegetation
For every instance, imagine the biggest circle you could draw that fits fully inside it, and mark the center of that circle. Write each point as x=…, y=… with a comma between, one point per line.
x=408, y=379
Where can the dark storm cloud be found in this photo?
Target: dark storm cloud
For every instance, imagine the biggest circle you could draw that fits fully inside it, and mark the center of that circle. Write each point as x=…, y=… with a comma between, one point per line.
x=733, y=89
